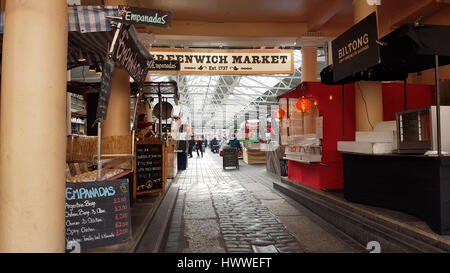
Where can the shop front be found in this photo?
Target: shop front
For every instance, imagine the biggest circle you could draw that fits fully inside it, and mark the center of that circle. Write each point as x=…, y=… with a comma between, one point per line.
x=402, y=164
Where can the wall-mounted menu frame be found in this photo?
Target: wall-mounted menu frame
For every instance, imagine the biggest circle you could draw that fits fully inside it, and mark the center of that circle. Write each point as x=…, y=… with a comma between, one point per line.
x=150, y=167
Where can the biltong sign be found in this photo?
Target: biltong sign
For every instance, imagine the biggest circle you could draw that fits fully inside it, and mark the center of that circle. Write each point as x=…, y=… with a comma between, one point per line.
x=356, y=49
x=142, y=16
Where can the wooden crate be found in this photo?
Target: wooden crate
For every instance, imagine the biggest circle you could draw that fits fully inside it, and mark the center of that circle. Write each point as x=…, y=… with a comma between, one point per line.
x=254, y=156
x=273, y=160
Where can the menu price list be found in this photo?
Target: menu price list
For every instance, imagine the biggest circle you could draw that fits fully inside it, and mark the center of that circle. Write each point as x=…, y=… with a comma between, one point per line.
x=98, y=213
x=149, y=167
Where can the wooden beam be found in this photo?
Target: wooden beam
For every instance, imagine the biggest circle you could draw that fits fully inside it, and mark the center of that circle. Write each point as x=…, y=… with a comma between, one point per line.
x=411, y=13
x=229, y=29
x=324, y=15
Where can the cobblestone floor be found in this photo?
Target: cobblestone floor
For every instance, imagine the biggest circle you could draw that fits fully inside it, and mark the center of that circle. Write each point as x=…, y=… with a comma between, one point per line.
x=233, y=211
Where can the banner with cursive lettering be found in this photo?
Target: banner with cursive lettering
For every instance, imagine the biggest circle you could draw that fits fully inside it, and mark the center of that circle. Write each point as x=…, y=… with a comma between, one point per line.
x=143, y=16
x=221, y=61
x=163, y=65
x=130, y=54
x=356, y=49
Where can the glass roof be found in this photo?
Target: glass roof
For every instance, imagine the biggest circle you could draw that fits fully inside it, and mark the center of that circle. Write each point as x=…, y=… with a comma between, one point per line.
x=216, y=101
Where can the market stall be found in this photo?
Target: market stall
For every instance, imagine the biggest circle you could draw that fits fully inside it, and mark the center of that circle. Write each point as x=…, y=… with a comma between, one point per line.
x=412, y=175
x=310, y=131
x=153, y=169
x=250, y=139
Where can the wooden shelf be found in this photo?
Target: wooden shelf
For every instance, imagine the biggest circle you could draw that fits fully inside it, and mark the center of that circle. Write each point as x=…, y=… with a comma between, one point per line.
x=302, y=161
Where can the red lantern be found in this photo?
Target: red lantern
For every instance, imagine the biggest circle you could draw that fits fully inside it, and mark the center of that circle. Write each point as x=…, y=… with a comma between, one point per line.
x=304, y=104
x=279, y=113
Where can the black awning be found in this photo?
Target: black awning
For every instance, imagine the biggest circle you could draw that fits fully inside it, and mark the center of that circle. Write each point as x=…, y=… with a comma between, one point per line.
x=92, y=46
x=408, y=49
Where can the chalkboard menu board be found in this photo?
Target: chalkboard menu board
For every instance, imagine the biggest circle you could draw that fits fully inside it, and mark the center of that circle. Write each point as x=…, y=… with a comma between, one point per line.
x=230, y=158
x=105, y=89
x=98, y=213
x=150, y=167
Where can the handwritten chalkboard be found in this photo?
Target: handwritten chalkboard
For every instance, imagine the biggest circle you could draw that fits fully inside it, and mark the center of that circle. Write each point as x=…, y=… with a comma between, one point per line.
x=105, y=89
x=230, y=158
x=98, y=213
x=149, y=167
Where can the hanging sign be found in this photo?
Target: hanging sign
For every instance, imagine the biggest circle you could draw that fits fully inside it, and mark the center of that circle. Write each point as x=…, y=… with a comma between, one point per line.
x=105, y=89
x=357, y=49
x=204, y=61
x=98, y=213
x=163, y=65
x=130, y=54
x=143, y=16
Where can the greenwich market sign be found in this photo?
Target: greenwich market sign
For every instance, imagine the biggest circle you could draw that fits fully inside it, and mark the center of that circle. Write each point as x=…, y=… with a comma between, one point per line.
x=203, y=61
x=141, y=16
x=356, y=49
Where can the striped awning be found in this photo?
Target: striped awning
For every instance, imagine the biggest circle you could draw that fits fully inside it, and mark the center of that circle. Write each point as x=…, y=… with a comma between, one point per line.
x=92, y=46
x=83, y=19
x=90, y=34
x=86, y=19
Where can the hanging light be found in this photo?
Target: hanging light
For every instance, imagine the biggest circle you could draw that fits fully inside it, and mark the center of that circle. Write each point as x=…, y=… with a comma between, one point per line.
x=279, y=113
x=303, y=104
x=81, y=58
x=98, y=70
x=92, y=68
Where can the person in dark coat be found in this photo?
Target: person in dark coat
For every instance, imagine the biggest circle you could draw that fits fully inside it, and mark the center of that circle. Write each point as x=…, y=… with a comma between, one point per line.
x=214, y=145
x=234, y=143
x=205, y=142
x=191, y=146
x=199, y=146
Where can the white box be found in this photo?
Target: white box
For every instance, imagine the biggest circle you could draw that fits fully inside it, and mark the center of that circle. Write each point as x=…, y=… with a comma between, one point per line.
x=365, y=147
x=379, y=136
x=385, y=126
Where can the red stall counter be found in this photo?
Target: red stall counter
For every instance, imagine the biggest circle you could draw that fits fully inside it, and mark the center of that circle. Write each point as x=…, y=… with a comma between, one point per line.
x=328, y=173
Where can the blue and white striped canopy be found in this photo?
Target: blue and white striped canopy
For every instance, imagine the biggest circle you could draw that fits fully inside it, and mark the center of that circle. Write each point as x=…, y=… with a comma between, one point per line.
x=84, y=19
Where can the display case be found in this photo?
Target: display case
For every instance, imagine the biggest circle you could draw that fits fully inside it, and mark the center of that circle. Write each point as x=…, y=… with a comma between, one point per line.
x=302, y=131
x=417, y=130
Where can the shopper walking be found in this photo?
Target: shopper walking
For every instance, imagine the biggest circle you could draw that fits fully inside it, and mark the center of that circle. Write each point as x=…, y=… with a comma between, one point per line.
x=205, y=143
x=191, y=146
x=199, y=146
x=214, y=145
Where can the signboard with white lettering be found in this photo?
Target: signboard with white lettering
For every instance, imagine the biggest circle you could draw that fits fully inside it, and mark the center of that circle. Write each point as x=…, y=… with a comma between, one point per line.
x=105, y=89
x=130, y=54
x=150, y=172
x=98, y=213
x=143, y=16
x=163, y=65
x=356, y=49
x=204, y=61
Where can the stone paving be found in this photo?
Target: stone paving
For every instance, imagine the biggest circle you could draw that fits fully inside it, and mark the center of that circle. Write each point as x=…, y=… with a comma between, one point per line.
x=234, y=211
